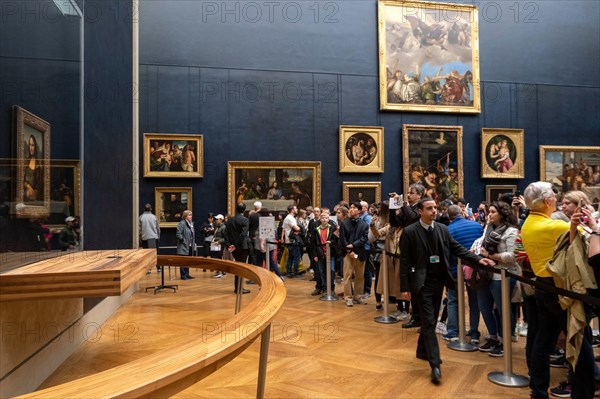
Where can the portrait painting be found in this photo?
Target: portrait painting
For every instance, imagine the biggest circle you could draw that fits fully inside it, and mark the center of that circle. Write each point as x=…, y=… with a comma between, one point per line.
x=428, y=57
x=493, y=193
x=275, y=184
x=432, y=156
x=361, y=149
x=33, y=164
x=169, y=204
x=502, y=153
x=65, y=191
x=571, y=168
x=361, y=191
x=173, y=155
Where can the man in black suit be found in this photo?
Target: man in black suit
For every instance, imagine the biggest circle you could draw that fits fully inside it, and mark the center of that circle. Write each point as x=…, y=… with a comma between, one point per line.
x=237, y=238
x=426, y=247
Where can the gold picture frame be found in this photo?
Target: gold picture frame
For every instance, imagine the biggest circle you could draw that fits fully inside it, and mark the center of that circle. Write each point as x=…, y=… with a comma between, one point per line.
x=361, y=191
x=165, y=155
x=32, y=137
x=65, y=191
x=428, y=57
x=563, y=167
x=275, y=184
x=502, y=153
x=169, y=204
x=432, y=156
x=492, y=192
x=361, y=149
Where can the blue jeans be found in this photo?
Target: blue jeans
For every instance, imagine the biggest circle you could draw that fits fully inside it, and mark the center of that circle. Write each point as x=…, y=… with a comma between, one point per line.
x=293, y=260
x=273, y=265
x=487, y=297
x=452, y=306
x=322, y=265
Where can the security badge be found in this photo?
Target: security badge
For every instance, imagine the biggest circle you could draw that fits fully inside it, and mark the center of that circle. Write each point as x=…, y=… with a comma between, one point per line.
x=434, y=259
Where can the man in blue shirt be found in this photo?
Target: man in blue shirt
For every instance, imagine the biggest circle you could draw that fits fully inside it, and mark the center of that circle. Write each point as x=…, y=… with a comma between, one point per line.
x=465, y=232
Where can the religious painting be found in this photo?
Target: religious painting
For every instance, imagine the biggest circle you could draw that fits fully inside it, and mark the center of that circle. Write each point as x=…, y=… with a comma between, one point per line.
x=361, y=191
x=169, y=204
x=65, y=191
x=33, y=164
x=275, y=184
x=173, y=155
x=571, y=168
x=361, y=149
x=428, y=57
x=432, y=156
x=493, y=193
x=502, y=153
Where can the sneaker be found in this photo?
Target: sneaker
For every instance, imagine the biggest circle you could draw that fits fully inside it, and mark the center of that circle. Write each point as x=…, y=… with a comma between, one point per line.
x=523, y=331
x=489, y=345
x=498, y=351
x=349, y=303
x=379, y=306
x=359, y=301
x=475, y=341
x=403, y=316
x=559, y=362
x=218, y=275
x=449, y=338
x=563, y=390
x=474, y=338
x=440, y=328
x=557, y=353
x=596, y=341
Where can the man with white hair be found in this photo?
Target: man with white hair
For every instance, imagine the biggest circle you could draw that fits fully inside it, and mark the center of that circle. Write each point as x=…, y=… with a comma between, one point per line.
x=546, y=318
x=253, y=232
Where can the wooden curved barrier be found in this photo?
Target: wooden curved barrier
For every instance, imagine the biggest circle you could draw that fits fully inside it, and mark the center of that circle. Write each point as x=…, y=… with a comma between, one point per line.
x=164, y=373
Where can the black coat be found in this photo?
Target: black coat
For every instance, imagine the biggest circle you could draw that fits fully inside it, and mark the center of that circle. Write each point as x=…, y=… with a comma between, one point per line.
x=236, y=233
x=414, y=255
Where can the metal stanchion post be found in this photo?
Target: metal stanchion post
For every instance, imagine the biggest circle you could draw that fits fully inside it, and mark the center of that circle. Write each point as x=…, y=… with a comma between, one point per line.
x=462, y=344
x=329, y=296
x=507, y=378
x=386, y=318
x=238, y=297
x=262, y=363
x=267, y=256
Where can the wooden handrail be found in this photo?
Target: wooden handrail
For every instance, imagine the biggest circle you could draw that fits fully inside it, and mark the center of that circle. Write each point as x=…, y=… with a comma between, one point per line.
x=163, y=373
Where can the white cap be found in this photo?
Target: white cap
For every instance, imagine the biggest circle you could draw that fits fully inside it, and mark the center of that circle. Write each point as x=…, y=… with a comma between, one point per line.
x=219, y=216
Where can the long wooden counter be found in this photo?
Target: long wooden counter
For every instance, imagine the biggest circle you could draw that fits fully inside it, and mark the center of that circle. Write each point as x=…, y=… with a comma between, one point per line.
x=77, y=275
x=164, y=373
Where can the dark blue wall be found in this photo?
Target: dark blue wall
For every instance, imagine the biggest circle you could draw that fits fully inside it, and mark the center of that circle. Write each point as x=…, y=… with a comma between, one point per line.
x=109, y=169
x=207, y=67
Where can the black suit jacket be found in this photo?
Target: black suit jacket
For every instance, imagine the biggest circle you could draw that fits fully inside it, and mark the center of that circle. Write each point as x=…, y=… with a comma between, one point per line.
x=414, y=255
x=237, y=232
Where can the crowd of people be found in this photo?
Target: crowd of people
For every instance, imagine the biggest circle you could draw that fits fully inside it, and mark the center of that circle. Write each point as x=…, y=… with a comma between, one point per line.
x=534, y=235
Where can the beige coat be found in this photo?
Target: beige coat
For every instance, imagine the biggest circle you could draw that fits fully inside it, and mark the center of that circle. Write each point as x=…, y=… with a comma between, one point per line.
x=571, y=271
x=391, y=245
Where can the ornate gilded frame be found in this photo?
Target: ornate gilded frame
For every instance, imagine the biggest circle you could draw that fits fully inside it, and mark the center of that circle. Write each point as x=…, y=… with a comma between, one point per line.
x=554, y=158
x=61, y=170
x=444, y=50
x=423, y=146
x=244, y=174
x=152, y=164
x=361, y=158
x=36, y=203
x=492, y=191
x=183, y=194
x=502, y=163
x=373, y=188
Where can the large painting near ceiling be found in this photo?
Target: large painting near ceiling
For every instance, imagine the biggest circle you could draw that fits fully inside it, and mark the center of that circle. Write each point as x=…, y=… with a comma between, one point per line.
x=428, y=57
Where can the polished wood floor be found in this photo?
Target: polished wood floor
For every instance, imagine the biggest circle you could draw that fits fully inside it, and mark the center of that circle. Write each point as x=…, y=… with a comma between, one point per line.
x=318, y=349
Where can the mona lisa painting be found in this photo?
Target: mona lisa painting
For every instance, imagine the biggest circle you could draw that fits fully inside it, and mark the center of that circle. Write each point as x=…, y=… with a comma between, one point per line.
x=33, y=164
